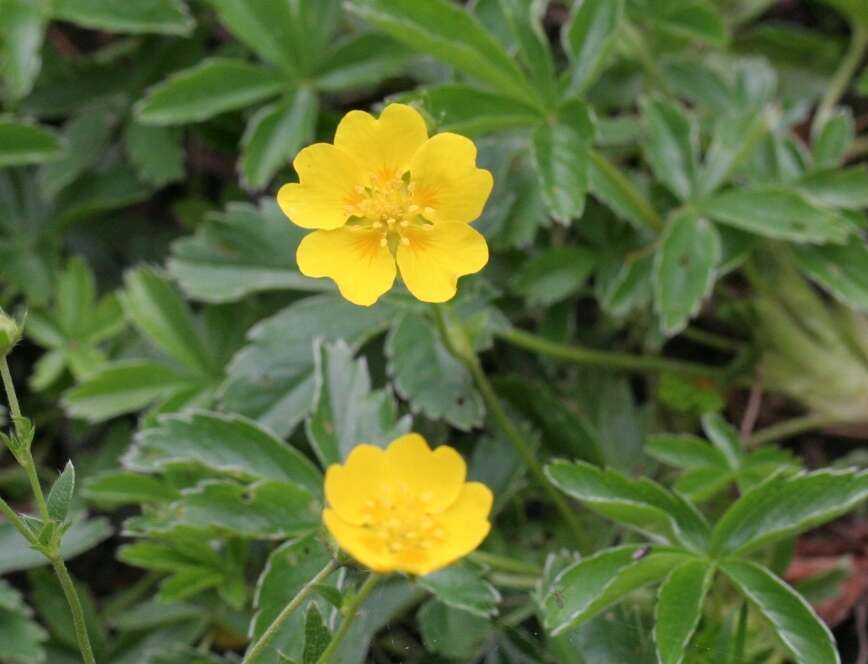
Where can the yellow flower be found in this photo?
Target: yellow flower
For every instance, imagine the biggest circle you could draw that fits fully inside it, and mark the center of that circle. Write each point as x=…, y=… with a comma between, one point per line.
x=386, y=193
x=406, y=508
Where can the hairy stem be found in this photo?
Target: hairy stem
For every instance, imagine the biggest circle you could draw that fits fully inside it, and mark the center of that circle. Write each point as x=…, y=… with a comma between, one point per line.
x=350, y=613
x=75, y=608
x=843, y=75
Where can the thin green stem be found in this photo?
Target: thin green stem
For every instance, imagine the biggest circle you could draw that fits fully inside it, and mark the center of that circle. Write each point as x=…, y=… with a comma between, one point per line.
x=642, y=208
x=16, y=521
x=268, y=636
x=350, y=613
x=796, y=426
x=30, y=468
x=462, y=350
x=14, y=408
x=75, y=608
x=843, y=75
x=604, y=358
x=504, y=564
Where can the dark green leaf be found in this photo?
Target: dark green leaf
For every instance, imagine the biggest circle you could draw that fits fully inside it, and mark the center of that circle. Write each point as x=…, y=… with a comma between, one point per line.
x=620, y=193
x=733, y=141
x=468, y=110
x=164, y=16
x=462, y=587
x=22, y=29
x=685, y=451
x=60, y=496
x=679, y=608
x=555, y=275
x=16, y=554
x=534, y=52
x=844, y=188
x=588, y=38
x=25, y=143
x=156, y=152
x=695, y=20
x=453, y=633
x=359, y=61
x=842, y=270
x=21, y=638
x=213, y=86
x=672, y=145
x=123, y=487
x=316, y=635
x=805, y=635
x=833, y=139
x=685, y=268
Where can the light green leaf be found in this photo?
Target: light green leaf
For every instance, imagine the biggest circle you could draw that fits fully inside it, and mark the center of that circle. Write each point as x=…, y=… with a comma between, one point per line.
x=733, y=141
x=592, y=584
x=777, y=213
x=427, y=375
x=685, y=451
x=672, y=144
x=534, y=51
x=156, y=153
x=617, y=191
x=345, y=411
x=588, y=38
x=786, y=505
x=60, y=496
x=695, y=20
x=640, y=504
x=24, y=143
x=842, y=188
x=213, y=86
x=274, y=134
x=453, y=633
x=22, y=30
x=226, y=444
x=461, y=586
x=842, y=270
x=360, y=61
x=239, y=251
x=271, y=379
x=679, y=608
x=560, y=153
x=702, y=483
x=555, y=275
x=685, y=268
x=17, y=555
x=468, y=110
x=21, y=638
x=449, y=33
x=724, y=437
x=833, y=139
x=125, y=488
x=805, y=635
x=169, y=17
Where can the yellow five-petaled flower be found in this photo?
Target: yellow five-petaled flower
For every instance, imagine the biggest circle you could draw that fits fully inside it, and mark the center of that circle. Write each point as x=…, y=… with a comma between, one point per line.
x=385, y=193
x=406, y=508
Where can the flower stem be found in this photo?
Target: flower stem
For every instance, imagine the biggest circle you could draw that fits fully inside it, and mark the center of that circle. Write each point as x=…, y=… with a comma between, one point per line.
x=350, y=613
x=504, y=564
x=14, y=408
x=269, y=634
x=843, y=75
x=75, y=608
x=455, y=339
x=796, y=426
x=604, y=358
x=16, y=521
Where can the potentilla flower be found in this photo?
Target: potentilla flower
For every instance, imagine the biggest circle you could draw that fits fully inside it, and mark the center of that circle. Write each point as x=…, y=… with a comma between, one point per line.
x=406, y=508
x=386, y=194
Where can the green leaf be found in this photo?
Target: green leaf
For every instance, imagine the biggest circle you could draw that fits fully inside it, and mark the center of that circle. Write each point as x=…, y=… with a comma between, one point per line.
x=17, y=555
x=213, y=86
x=560, y=153
x=124, y=387
x=427, y=375
x=841, y=270
x=345, y=411
x=60, y=496
x=289, y=567
x=125, y=488
x=274, y=134
x=777, y=213
x=21, y=638
x=227, y=444
x=239, y=251
x=157, y=309
x=449, y=33
x=592, y=584
x=786, y=505
x=361, y=61
x=733, y=141
x=805, y=635
x=316, y=636
x=24, y=143
x=555, y=275
x=534, y=51
x=618, y=192
x=461, y=586
x=724, y=437
x=640, y=504
x=588, y=38
x=453, y=633
x=702, y=483
x=694, y=20
x=156, y=153
x=271, y=379
x=679, y=608
x=685, y=451
x=833, y=139
x=163, y=16
x=468, y=110
x=22, y=30
x=672, y=144
x=842, y=188
x=853, y=9
x=685, y=268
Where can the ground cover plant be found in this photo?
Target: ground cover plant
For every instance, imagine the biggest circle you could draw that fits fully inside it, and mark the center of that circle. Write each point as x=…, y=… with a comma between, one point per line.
x=506, y=331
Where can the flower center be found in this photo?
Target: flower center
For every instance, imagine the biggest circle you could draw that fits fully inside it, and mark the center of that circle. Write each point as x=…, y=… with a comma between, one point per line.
x=402, y=523
x=386, y=206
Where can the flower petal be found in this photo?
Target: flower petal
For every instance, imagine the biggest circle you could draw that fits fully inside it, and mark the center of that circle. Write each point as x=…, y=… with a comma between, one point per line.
x=359, y=542
x=436, y=256
x=436, y=477
x=362, y=269
x=349, y=486
x=386, y=145
x=328, y=180
x=466, y=525
x=445, y=177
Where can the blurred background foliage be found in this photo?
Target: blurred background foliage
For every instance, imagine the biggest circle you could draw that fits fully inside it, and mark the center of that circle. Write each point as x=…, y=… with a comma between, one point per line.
x=678, y=233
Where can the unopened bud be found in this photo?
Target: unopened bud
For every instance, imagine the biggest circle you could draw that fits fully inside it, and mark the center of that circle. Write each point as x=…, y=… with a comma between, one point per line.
x=10, y=332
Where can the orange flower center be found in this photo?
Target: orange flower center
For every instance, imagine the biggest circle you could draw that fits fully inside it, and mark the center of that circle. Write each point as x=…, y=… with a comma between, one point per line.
x=387, y=206
x=402, y=523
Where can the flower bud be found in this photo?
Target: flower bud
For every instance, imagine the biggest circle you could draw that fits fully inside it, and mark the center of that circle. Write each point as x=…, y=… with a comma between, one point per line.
x=10, y=332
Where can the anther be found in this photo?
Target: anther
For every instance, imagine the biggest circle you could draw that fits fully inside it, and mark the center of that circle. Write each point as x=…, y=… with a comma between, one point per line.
x=429, y=212
x=383, y=242
x=405, y=241
x=378, y=224
x=404, y=223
